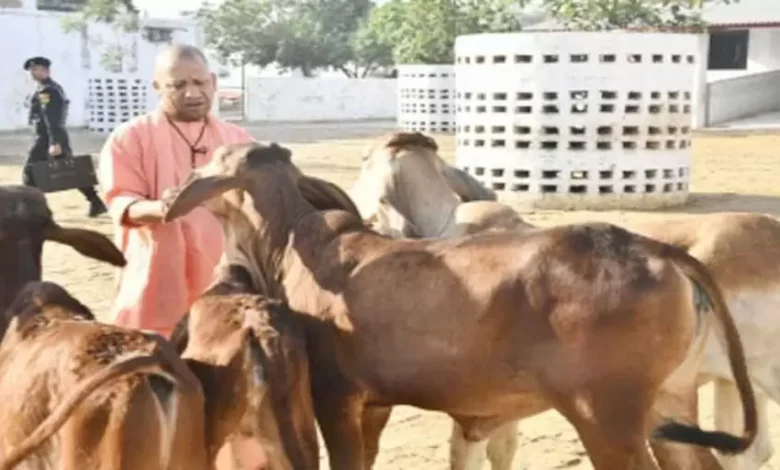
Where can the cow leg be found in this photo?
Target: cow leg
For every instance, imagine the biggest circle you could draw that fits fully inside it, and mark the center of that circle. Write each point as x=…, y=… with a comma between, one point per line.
x=673, y=455
x=474, y=438
x=465, y=454
x=374, y=421
x=677, y=399
x=340, y=420
x=502, y=445
x=338, y=406
x=729, y=418
x=608, y=451
x=610, y=416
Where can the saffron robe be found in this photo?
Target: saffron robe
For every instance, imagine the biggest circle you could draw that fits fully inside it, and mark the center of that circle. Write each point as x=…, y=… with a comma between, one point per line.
x=168, y=265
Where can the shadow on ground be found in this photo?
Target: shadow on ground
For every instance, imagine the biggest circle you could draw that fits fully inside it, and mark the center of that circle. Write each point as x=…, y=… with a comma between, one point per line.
x=705, y=203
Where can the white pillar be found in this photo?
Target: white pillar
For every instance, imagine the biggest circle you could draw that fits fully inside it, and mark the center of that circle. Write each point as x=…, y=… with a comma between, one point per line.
x=577, y=120
x=701, y=99
x=426, y=98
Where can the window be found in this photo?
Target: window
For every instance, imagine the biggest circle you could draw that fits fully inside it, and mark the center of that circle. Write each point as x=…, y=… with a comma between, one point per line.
x=158, y=35
x=11, y=4
x=728, y=50
x=61, y=5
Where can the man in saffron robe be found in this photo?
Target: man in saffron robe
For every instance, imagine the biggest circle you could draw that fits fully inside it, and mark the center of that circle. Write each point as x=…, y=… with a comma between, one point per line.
x=168, y=265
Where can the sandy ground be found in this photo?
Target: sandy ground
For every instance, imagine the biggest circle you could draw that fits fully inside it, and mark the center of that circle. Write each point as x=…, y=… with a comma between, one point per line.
x=735, y=172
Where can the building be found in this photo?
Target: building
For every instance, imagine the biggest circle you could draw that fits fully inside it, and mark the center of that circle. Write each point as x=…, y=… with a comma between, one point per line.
x=743, y=64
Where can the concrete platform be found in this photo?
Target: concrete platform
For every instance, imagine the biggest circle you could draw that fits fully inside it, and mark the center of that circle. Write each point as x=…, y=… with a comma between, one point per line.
x=760, y=122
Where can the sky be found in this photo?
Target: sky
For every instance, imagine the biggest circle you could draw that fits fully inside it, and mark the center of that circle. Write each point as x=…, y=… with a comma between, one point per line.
x=171, y=8
x=168, y=8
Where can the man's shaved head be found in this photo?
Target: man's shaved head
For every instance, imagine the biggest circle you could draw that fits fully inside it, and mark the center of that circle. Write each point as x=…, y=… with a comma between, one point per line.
x=173, y=54
x=184, y=83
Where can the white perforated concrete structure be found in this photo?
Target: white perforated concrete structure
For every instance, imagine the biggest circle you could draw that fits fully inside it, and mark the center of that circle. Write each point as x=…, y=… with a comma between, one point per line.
x=571, y=120
x=426, y=98
x=114, y=99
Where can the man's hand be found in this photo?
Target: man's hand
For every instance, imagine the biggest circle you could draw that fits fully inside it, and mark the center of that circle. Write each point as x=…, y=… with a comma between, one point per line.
x=168, y=195
x=150, y=212
x=55, y=150
x=146, y=212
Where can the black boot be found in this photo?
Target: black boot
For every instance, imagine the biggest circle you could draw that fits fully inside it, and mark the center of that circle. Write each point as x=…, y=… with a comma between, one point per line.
x=27, y=176
x=96, y=206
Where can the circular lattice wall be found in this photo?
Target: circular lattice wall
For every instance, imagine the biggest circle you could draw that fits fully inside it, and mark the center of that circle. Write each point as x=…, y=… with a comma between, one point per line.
x=577, y=120
x=114, y=100
x=426, y=98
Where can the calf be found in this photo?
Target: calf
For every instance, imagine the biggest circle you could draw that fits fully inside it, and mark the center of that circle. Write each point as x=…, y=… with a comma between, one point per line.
x=78, y=394
x=250, y=355
x=25, y=223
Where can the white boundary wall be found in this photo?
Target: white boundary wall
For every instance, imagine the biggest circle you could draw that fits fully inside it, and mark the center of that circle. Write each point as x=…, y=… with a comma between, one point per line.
x=577, y=120
x=741, y=97
x=426, y=98
x=319, y=99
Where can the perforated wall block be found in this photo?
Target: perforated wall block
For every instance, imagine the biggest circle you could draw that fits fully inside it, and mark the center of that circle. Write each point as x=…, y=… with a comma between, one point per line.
x=426, y=98
x=570, y=120
x=114, y=100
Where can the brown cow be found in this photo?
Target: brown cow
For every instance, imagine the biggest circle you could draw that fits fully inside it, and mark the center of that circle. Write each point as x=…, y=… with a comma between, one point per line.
x=589, y=319
x=81, y=395
x=250, y=355
x=742, y=250
x=25, y=223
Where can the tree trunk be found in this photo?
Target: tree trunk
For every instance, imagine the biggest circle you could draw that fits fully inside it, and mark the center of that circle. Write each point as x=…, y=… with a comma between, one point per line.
x=348, y=73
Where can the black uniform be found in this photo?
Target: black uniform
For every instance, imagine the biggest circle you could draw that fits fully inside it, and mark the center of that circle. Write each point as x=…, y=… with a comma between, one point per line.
x=48, y=113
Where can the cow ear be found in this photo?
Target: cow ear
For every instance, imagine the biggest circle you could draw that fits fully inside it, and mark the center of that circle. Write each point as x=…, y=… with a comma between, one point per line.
x=180, y=337
x=196, y=191
x=13, y=325
x=324, y=195
x=466, y=186
x=87, y=242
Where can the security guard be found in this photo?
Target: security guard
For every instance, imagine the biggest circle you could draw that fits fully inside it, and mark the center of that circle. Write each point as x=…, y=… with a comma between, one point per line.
x=48, y=112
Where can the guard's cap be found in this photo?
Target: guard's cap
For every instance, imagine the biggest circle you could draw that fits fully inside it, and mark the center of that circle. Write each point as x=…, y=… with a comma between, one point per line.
x=36, y=61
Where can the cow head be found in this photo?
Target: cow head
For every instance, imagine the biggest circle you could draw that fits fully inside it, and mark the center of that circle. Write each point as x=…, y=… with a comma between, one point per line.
x=25, y=223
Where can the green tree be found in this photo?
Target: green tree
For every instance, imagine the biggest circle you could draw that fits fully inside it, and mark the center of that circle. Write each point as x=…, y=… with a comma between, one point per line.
x=373, y=41
x=424, y=31
x=596, y=15
x=294, y=34
x=120, y=14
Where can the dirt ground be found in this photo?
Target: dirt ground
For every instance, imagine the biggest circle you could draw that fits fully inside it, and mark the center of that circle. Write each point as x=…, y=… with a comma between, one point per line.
x=735, y=172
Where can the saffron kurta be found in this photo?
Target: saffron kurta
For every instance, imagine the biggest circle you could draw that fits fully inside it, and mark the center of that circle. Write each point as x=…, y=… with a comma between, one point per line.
x=168, y=265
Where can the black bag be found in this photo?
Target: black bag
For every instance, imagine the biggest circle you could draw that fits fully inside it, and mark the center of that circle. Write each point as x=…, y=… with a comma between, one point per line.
x=64, y=173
